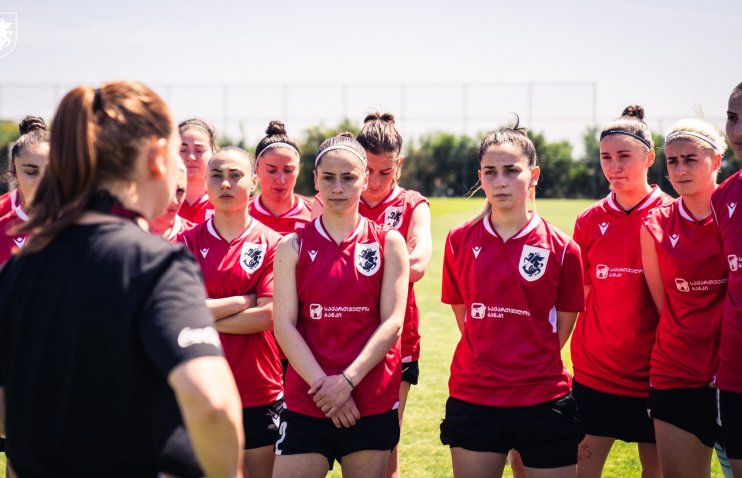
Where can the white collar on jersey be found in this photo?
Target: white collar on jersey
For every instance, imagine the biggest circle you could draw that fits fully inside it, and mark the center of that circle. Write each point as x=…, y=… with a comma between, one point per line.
x=326, y=235
x=530, y=226
x=393, y=194
x=657, y=192
x=212, y=230
x=20, y=213
x=262, y=210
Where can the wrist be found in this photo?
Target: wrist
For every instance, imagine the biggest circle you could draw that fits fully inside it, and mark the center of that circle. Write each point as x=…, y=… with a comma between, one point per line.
x=348, y=380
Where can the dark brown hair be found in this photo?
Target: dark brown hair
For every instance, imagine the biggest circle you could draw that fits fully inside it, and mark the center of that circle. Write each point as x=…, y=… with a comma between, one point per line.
x=345, y=139
x=33, y=132
x=206, y=127
x=276, y=133
x=517, y=136
x=379, y=135
x=631, y=123
x=96, y=138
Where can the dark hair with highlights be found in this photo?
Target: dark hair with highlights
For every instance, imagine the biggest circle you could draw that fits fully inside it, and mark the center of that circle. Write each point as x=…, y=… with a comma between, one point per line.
x=346, y=139
x=632, y=122
x=33, y=132
x=204, y=126
x=379, y=134
x=276, y=133
x=517, y=136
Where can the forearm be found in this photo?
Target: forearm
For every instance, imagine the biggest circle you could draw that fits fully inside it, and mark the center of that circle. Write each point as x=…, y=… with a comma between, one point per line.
x=215, y=439
x=459, y=311
x=247, y=321
x=418, y=265
x=565, y=324
x=298, y=354
x=375, y=350
x=228, y=306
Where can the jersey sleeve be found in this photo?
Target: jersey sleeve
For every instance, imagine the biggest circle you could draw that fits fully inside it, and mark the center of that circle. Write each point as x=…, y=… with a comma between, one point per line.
x=450, y=293
x=571, y=293
x=653, y=223
x=580, y=239
x=175, y=326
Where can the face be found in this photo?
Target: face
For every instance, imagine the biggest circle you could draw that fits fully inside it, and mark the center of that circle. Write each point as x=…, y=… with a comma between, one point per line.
x=691, y=168
x=177, y=199
x=734, y=123
x=195, y=151
x=340, y=180
x=382, y=175
x=278, y=169
x=506, y=177
x=29, y=169
x=625, y=162
x=230, y=181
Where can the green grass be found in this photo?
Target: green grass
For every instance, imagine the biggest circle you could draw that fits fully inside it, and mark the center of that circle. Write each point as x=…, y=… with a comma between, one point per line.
x=421, y=453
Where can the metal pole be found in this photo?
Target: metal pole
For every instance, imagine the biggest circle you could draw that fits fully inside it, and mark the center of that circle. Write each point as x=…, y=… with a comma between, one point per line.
x=345, y=102
x=225, y=107
x=465, y=117
x=530, y=105
x=285, y=101
x=595, y=104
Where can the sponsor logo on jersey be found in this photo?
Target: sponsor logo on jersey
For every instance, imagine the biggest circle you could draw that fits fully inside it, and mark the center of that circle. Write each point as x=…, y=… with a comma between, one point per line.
x=674, y=239
x=252, y=256
x=478, y=310
x=393, y=216
x=601, y=271
x=204, y=252
x=682, y=285
x=603, y=227
x=476, y=250
x=20, y=241
x=731, y=206
x=368, y=258
x=533, y=262
x=733, y=262
x=315, y=311
x=313, y=254
x=204, y=335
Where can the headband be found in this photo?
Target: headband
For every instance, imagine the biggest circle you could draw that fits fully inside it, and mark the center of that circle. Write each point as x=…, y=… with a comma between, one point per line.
x=678, y=133
x=618, y=131
x=278, y=144
x=343, y=147
x=186, y=125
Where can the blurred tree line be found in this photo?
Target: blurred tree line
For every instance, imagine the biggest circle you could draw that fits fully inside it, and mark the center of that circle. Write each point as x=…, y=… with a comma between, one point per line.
x=445, y=164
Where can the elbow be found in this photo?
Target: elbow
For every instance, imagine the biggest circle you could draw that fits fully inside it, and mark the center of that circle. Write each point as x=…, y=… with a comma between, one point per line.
x=416, y=273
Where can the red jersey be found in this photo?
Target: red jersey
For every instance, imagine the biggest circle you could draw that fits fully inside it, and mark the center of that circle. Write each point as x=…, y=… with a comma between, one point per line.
x=396, y=211
x=242, y=266
x=612, y=341
x=724, y=201
x=339, y=292
x=180, y=226
x=8, y=202
x=9, y=243
x=293, y=219
x=198, y=212
x=686, y=349
x=509, y=354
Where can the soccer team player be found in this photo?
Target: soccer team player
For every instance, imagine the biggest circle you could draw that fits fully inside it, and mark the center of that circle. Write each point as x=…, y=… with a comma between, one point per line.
x=649, y=283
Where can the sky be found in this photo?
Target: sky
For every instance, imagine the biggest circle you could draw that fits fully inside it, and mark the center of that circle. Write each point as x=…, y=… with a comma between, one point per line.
x=585, y=60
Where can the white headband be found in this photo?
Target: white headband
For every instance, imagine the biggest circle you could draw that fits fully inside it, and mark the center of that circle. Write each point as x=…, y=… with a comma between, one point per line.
x=678, y=133
x=343, y=147
x=277, y=145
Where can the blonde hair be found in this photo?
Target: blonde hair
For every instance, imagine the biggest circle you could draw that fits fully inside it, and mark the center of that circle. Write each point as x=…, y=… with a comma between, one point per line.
x=698, y=132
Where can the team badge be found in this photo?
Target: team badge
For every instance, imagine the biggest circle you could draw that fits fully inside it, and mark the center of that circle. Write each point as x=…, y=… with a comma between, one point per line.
x=532, y=264
x=8, y=32
x=252, y=256
x=393, y=217
x=368, y=258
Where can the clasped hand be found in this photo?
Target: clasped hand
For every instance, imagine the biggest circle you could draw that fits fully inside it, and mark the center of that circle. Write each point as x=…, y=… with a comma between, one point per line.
x=332, y=395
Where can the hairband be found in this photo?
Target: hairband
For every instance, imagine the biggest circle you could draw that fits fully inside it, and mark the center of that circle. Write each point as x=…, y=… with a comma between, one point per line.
x=627, y=133
x=343, y=147
x=675, y=134
x=278, y=144
x=186, y=125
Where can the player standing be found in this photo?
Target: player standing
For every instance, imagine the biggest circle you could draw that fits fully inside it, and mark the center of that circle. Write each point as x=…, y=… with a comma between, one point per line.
x=198, y=143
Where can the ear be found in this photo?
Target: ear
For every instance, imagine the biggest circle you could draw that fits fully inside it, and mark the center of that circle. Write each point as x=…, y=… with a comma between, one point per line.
x=651, y=154
x=253, y=183
x=535, y=174
x=479, y=174
x=365, y=179
x=716, y=162
x=316, y=179
x=400, y=162
x=157, y=157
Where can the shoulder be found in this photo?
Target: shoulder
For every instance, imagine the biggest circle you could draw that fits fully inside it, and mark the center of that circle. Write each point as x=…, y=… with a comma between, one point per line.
x=265, y=233
x=726, y=186
x=660, y=214
x=305, y=201
x=591, y=211
x=413, y=198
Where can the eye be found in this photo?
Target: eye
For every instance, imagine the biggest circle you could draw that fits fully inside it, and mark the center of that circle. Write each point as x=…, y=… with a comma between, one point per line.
x=672, y=160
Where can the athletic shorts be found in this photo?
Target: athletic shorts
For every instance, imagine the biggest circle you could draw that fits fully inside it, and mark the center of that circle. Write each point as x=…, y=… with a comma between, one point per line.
x=690, y=409
x=546, y=435
x=730, y=414
x=617, y=416
x=410, y=372
x=261, y=424
x=302, y=434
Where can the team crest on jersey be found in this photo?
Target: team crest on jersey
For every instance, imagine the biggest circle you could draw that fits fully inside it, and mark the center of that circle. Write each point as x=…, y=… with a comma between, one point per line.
x=532, y=263
x=393, y=217
x=368, y=258
x=252, y=256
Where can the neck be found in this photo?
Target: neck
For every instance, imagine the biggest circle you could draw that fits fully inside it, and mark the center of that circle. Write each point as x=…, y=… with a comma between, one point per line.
x=629, y=199
x=376, y=203
x=699, y=205
x=231, y=224
x=131, y=198
x=194, y=191
x=508, y=222
x=338, y=226
x=277, y=208
x=161, y=226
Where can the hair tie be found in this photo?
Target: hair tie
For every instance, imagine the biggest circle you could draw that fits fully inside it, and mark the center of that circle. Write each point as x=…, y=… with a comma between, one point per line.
x=619, y=131
x=678, y=133
x=343, y=147
x=277, y=144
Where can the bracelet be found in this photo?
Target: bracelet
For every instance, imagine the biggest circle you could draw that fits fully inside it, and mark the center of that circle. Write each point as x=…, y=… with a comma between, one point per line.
x=352, y=386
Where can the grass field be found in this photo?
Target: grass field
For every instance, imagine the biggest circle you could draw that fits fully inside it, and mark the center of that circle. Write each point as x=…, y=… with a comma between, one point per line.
x=421, y=453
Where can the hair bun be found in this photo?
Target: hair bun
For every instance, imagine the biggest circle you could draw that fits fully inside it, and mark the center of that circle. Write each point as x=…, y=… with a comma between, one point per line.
x=31, y=123
x=386, y=117
x=634, y=111
x=347, y=134
x=275, y=127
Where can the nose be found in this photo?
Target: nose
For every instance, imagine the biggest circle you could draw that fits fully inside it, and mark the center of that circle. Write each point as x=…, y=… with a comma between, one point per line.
x=281, y=178
x=225, y=184
x=337, y=186
x=737, y=130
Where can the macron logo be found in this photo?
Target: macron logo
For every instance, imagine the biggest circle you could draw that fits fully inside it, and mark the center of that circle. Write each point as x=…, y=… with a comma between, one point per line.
x=20, y=241
x=731, y=206
x=603, y=227
x=674, y=239
x=313, y=254
x=476, y=250
x=204, y=252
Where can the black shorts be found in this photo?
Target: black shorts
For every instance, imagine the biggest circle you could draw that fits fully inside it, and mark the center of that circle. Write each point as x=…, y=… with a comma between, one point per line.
x=546, y=435
x=730, y=414
x=261, y=424
x=410, y=372
x=690, y=409
x=304, y=434
x=617, y=416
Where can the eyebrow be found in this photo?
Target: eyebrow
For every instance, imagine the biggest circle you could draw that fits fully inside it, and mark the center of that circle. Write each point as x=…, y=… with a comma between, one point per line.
x=29, y=165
